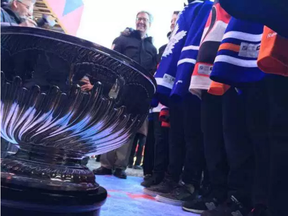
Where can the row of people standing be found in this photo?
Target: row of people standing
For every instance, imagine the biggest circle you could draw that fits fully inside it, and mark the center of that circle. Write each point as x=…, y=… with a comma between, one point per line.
x=238, y=67
x=174, y=138
x=224, y=149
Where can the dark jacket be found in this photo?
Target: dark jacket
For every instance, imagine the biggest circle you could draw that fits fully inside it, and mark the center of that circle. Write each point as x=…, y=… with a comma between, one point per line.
x=162, y=49
x=129, y=43
x=160, y=52
x=8, y=16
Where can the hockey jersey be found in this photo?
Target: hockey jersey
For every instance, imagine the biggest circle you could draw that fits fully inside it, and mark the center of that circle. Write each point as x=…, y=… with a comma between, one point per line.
x=236, y=61
x=166, y=72
x=189, y=52
x=211, y=39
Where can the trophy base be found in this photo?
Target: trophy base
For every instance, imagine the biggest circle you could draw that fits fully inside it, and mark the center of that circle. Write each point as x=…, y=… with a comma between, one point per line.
x=23, y=201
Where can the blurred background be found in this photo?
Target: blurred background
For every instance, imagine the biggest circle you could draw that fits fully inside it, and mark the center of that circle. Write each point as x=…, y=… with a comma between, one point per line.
x=102, y=21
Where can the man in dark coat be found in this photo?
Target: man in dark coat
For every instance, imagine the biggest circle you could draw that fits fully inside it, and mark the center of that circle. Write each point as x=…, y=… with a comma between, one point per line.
x=18, y=12
x=136, y=45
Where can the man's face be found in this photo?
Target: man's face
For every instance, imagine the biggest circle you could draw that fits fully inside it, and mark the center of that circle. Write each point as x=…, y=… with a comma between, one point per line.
x=142, y=22
x=23, y=8
x=173, y=22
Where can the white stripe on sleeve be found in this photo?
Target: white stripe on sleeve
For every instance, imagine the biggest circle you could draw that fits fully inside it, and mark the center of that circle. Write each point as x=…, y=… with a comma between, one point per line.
x=243, y=36
x=186, y=60
x=236, y=61
x=190, y=48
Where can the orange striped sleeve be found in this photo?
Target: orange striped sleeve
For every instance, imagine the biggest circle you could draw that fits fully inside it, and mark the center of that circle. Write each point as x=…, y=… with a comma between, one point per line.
x=229, y=46
x=218, y=88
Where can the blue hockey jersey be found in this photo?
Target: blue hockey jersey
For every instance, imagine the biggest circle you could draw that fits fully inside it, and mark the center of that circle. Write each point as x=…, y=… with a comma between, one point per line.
x=189, y=53
x=176, y=48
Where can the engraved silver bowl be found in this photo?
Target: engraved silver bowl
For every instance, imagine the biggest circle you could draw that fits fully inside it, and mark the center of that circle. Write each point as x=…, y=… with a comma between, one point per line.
x=55, y=124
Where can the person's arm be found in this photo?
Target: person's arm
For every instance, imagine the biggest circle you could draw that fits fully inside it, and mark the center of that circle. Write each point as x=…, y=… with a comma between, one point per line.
x=117, y=45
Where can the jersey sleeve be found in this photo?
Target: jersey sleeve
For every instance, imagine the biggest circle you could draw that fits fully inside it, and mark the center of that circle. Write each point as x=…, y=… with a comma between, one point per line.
x=166, y=73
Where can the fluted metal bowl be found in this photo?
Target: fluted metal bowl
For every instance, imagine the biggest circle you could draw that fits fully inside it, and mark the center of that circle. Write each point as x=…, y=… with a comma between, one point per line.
x=54, y=123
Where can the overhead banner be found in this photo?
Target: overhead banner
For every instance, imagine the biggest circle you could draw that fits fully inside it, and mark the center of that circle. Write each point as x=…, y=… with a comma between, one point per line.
x=68, y=13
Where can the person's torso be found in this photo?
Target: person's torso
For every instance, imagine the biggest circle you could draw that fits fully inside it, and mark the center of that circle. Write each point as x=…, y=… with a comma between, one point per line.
x=140, y=50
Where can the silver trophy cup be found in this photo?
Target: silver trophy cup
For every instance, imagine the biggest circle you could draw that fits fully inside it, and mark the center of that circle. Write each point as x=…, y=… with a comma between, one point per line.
x=54, y=125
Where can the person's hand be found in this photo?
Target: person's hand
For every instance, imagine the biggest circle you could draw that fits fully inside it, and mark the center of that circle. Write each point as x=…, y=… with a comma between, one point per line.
x=126, y=32
x=28, y=23
x=87, y=86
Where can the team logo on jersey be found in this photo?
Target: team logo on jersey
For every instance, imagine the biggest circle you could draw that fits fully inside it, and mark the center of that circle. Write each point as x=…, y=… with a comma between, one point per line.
x=175, y=38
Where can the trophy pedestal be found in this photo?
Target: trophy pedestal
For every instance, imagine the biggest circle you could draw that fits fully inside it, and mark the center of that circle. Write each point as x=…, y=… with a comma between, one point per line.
x=35, y=183
x=25, y=201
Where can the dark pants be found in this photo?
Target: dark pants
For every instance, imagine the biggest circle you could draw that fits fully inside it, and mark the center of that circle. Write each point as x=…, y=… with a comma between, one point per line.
x=245, y=130
x=186, y=141
x=148, y=160
x=161, y=148
x=257, y=119
x=214, y=147
x=156, y=155
x=139, y=139
x=228, y=149
x=278, y=100
x=239, y=149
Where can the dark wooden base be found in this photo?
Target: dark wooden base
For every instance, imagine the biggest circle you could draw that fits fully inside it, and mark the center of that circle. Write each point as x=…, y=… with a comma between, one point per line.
x=19, y=212
x=25, y=201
